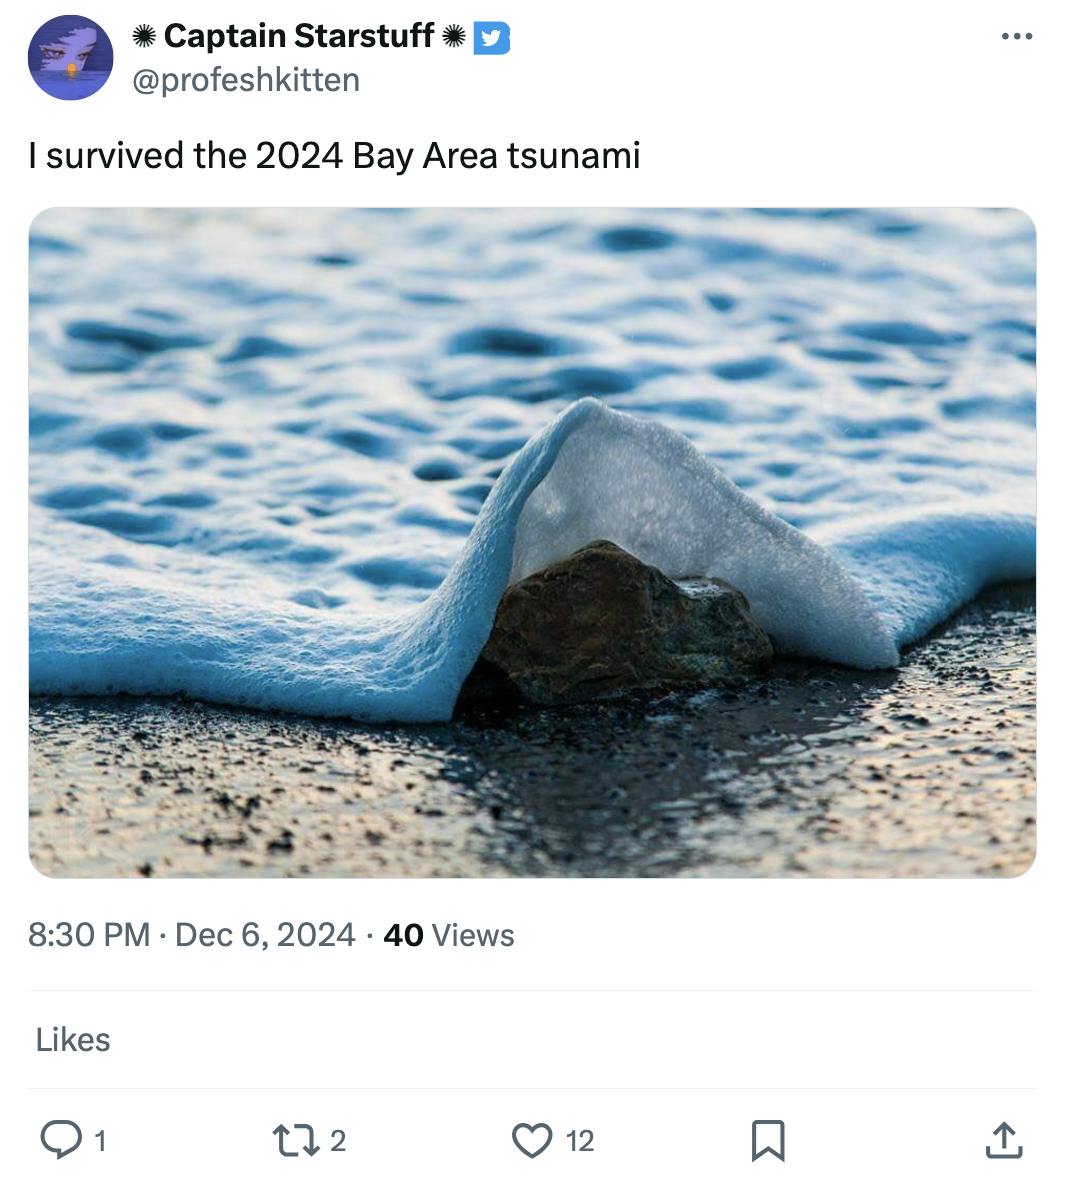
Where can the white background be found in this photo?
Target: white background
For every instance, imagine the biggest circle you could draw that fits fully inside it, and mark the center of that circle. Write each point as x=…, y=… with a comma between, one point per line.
x=893, y=1023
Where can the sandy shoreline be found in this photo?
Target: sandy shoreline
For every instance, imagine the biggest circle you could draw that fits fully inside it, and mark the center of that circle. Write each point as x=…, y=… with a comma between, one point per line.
x=928, y=770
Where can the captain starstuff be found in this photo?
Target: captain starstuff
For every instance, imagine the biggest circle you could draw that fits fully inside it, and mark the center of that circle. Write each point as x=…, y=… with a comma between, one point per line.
x=305, y=35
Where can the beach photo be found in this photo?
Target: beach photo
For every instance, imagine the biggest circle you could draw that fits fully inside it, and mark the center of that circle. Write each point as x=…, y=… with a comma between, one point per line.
x=532, y=542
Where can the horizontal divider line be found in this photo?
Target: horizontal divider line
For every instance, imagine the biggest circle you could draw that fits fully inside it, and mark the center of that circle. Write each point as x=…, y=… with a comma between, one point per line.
x=523, y=1090
x=491, y=991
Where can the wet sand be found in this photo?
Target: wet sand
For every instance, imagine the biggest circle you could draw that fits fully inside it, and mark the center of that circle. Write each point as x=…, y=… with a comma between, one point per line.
x=928, y=770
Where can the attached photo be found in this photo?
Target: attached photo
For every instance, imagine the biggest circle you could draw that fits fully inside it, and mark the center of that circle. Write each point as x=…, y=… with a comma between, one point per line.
x=532, y=542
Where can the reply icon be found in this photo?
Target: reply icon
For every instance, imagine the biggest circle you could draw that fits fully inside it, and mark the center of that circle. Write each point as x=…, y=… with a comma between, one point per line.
x=768, y=1137
x=61, y=1137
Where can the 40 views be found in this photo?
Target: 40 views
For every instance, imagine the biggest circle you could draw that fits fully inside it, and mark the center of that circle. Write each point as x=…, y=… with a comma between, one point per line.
x=252, y=935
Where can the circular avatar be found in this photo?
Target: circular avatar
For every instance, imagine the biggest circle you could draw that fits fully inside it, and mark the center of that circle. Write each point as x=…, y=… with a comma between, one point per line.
x=70, y=57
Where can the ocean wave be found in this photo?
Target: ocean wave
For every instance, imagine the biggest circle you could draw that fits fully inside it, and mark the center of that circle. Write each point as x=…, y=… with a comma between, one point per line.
x=290, y=458
x=854, y=593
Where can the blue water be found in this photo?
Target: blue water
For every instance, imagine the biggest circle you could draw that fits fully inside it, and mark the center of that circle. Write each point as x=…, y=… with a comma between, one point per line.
x=291, y=459
x=61, y=85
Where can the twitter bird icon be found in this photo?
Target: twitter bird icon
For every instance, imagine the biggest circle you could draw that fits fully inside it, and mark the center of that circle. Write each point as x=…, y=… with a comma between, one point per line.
x=492, y=37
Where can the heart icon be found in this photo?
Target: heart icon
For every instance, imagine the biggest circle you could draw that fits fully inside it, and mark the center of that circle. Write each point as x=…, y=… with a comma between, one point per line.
x=531, y=1139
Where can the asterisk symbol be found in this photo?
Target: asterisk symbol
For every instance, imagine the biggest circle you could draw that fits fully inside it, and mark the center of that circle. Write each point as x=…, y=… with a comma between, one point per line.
x=454, y=35
x=144, y=35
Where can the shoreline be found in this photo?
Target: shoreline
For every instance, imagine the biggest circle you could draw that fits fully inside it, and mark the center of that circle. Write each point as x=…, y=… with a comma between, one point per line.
x=926, y=770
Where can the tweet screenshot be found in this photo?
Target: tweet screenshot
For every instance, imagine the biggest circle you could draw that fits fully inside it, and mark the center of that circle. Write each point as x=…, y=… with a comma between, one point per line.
x=521, y=601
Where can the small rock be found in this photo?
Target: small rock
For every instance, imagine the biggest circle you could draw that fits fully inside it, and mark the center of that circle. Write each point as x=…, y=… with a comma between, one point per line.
x=601, y=622
x=284, y=842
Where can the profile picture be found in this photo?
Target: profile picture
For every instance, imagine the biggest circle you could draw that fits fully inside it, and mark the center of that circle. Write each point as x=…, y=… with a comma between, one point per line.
x=70, y=57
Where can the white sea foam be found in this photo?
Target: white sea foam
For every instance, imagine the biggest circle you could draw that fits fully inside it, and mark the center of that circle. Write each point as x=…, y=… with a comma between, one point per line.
x=592, y=473
x=268, y=448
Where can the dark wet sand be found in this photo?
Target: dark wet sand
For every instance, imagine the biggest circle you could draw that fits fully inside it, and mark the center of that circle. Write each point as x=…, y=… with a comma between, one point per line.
x=924, y=771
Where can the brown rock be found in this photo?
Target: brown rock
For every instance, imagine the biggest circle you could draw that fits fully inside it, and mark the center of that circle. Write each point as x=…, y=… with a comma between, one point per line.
x=601, y=622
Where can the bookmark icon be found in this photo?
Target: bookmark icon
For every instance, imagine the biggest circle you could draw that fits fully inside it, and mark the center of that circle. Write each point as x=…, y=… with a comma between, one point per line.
x=768, y=1138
